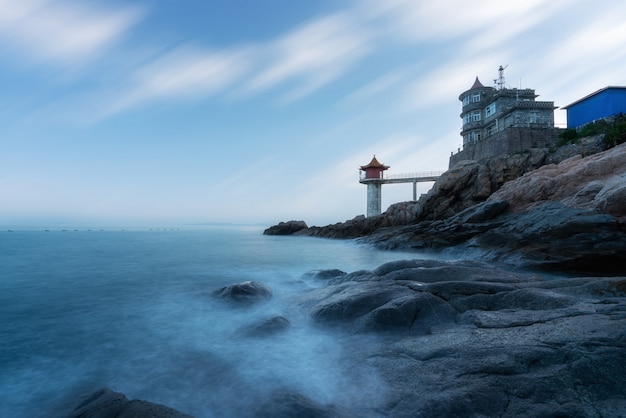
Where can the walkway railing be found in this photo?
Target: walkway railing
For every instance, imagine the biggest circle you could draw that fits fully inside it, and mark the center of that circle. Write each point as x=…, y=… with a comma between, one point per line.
x=408, y=176
x=404, y=177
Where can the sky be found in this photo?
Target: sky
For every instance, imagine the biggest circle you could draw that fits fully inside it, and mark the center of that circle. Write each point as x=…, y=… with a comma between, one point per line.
x=178, y=112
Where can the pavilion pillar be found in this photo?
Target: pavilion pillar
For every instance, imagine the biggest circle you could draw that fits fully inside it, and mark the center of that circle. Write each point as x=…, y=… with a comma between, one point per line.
x=374, y=198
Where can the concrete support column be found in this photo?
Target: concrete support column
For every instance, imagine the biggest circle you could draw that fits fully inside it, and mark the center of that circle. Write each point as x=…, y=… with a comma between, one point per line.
x=374, y=198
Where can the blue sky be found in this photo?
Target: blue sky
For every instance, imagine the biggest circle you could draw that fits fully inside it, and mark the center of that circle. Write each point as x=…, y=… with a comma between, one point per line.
x=141, y=113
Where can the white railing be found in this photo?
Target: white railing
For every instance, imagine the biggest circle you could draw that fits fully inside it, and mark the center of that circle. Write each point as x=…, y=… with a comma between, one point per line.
x=403, y=176
x=414, y=175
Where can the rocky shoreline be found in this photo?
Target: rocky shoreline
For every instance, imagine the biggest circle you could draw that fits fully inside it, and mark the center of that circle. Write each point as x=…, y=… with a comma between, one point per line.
x=461, y=339
x=498, y=336
x=559, y=211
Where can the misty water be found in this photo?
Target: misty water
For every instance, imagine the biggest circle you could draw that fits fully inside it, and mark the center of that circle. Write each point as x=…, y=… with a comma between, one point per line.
x=132, y=310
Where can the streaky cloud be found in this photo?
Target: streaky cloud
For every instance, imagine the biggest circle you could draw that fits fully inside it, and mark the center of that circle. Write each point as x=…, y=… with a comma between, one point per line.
x=315, y=53
x=182, y=73
x=62, y=32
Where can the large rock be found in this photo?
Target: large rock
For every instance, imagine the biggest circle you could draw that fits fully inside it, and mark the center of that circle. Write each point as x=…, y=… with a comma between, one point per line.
x=400, y=296
x=267, y=327
x=104, y=403
x=286, y=228
x=548, y=236
x=289, y=404
x=492, y=343
x=247, y=292
x=556, y=237
x=596, y=182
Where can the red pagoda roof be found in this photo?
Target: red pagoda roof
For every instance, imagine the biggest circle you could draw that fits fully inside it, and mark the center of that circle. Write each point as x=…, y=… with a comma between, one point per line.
x=477, y=84
x=374, y=164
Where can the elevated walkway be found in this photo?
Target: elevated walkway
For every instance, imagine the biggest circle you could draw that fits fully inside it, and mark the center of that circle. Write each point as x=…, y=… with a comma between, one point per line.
x=401, y=178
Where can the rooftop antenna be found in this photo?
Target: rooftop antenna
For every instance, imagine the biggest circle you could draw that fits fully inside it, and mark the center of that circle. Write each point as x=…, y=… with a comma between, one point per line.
x=500, y=80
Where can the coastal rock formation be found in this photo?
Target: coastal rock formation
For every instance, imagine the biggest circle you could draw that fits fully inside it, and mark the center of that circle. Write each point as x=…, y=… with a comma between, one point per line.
x=596, y=182
x=467, y=339
x=550, y=236
x=472, y=182
x=465, y=185
x=454, y=339
x=247, y=292
x=286, y=228
x=288, y=404
x=569, y=216
x=104, y=403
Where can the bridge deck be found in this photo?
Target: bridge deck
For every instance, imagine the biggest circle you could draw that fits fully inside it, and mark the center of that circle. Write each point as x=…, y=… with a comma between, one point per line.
x=403, y=178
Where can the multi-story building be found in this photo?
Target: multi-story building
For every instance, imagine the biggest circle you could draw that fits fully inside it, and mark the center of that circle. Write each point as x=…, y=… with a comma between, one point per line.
x=487, y=111
x=499, y=120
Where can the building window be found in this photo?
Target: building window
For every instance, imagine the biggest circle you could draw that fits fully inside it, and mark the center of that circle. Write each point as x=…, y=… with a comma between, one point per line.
x=471, y=138
x=475, y=116
x=490, y=110
x=491, y=130
x=466, y=100
x=475, y=98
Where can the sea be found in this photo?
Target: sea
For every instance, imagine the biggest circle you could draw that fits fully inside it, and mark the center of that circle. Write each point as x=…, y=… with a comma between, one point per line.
x=133, y=310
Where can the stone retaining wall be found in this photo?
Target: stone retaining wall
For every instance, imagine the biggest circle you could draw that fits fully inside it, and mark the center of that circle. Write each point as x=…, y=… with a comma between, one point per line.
x=508, y=141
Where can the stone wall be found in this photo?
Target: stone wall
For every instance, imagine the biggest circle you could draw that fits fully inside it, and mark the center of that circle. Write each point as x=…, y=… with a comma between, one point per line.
x=508, y=141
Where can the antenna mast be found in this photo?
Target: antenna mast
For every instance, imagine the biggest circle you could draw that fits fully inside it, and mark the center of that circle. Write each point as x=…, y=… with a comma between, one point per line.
x=500, y=80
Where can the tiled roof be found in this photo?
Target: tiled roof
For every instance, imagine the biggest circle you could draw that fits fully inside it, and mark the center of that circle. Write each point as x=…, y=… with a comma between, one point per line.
x=374, y=164
x=477, y=84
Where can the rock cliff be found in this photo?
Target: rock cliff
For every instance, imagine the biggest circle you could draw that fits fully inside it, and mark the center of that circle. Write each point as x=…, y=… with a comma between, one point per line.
x=556, y=210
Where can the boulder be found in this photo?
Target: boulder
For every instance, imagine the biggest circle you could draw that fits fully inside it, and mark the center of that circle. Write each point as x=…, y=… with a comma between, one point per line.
x=247, y=292
x=286, y=228
x=267, y=327
x=104, y=403
x=400, y=296
x=287, y=404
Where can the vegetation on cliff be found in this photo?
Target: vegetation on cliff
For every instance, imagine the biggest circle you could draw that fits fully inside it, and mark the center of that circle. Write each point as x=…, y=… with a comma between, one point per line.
x=613, y=131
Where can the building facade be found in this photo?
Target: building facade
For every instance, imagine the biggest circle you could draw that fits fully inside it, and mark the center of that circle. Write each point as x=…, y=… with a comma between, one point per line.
x=487, y=111
x=499, y=120
x=600, y=104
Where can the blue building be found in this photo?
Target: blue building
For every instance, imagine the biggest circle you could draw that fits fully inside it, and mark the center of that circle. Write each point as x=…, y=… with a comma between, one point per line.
x=601, y=104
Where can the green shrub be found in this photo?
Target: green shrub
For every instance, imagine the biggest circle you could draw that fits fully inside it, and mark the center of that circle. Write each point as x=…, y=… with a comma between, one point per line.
x=616, y=133
x=594, y=128
x=568, y=136
x=613, y=128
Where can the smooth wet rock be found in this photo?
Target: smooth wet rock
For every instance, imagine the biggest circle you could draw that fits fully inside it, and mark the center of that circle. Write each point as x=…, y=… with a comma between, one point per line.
x=549, y=236
x=247, y=292
x=289, y=404
x=104, y=403
x=556, y=237
x=410, y=296
x=325, y=274
x=268, y=327
x=490, y=342
x=286, y=228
